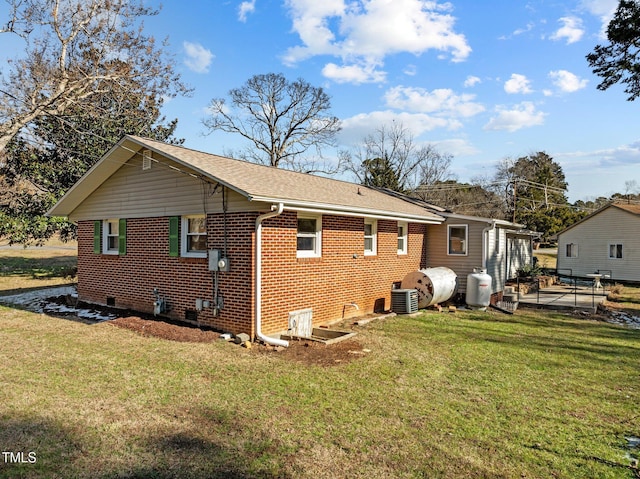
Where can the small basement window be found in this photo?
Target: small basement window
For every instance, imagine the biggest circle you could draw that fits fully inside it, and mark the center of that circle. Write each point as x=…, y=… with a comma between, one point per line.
x=309, y=237
x=370, y=237
x=615, y=251
x=571, y=250
x=402, y=237
x=457, y=239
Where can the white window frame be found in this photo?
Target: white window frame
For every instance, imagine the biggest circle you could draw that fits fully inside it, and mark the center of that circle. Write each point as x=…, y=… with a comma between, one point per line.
x=373, y=236
x=403, y=238
x=316, y=252
x=184, y=237
x=108, y=234
x=571, y=250
x=465, y=244
x=616, y=249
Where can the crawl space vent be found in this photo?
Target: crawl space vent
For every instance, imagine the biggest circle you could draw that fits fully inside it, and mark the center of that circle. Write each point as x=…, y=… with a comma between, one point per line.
x=190, y=315
x=146, y=160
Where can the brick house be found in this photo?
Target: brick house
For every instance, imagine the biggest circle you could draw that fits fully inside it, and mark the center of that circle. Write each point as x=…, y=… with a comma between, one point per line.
x=241, y=247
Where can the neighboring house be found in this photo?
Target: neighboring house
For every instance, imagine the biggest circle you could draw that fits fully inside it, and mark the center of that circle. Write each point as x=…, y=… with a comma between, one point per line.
x=607, y=241
x=237, y=246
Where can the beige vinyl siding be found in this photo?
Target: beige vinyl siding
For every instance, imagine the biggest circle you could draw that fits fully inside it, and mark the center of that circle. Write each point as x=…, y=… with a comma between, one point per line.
x=462, y=265
x=593, y=237
x=506, y=252
x=132, y=192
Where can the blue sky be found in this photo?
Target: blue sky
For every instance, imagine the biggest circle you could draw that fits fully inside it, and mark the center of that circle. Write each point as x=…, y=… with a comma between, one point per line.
x=480, y=80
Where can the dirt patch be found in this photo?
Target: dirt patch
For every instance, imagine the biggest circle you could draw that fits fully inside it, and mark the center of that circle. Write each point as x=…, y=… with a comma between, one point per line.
x=302, y=351
x=164, y=330
x=317, y=354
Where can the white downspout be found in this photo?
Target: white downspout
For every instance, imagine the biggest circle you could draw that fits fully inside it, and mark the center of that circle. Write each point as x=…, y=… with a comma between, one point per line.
x=258, y=277
x=485, y=243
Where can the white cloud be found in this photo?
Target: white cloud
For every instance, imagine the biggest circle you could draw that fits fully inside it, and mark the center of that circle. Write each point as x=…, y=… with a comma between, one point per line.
x=572, y=30
x=198, y=57
x=528, y=28
x=353, y=73
x=442, y=101
x=566, y=81
x=364, y=33
x=410, y=70
x=357, y=127
x=471, y=81
x=603, y=9
x=517, y=84
x=245, y=9
x=523, y=115
x=457, y=147
x=619, y=156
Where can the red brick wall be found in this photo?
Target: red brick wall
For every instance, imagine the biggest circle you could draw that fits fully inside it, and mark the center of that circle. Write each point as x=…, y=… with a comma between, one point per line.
x=131, y=278
x=328, y=283
x=325, y=284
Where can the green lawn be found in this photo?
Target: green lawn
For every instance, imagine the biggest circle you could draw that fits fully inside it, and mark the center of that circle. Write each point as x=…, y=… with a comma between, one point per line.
x=438, y=395
x=36, y=267
x=533, y=395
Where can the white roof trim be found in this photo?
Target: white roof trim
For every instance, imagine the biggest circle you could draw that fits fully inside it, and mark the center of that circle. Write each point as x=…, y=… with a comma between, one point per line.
x=364, y=214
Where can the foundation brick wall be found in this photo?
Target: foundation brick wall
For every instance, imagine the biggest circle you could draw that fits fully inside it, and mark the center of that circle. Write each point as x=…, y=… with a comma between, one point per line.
x=130, y=279
x=342, y=275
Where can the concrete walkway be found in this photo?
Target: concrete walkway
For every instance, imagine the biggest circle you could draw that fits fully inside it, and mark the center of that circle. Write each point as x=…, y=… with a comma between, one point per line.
x=583, y=298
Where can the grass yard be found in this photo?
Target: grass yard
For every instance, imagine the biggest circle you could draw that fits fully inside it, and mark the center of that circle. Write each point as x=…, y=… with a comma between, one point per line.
x=36, y=267
x=547, y=258
x=478, y=395
x=465, y=395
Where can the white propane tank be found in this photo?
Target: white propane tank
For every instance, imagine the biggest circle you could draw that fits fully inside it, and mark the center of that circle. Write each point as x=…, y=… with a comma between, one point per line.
x=478, y=294
x=434, y=285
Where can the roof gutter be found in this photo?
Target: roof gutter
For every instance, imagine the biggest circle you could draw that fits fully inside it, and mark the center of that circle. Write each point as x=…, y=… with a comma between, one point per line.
x=276, y=210
x=409, y=219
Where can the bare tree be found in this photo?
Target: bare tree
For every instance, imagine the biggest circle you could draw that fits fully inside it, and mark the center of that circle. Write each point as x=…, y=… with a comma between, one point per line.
x=281, y=119
x=390, y=158
x=75, y=50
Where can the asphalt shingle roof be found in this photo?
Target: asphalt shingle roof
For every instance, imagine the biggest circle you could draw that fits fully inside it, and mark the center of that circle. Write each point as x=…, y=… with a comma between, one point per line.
x=256, y=182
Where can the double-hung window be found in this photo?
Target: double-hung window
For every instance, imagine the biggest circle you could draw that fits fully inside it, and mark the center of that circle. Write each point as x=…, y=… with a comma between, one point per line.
x=194, y=236
x=309, y=237
x=370, y=237
x=457, y=239
x=114, y=236
x=615, y=251
x=402, y=237
x=571, y=250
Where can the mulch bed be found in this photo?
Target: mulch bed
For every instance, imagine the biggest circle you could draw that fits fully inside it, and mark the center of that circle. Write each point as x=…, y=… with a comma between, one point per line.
x=164, y=330
x=300, y=351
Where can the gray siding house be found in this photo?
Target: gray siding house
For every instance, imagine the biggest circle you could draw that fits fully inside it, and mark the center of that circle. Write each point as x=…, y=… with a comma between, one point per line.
x=606, y=241
x=463, y=243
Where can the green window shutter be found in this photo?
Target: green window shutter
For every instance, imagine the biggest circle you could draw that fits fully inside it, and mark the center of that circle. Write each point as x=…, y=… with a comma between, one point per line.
x=174, y=236
x=97, y=238
x=122, y=236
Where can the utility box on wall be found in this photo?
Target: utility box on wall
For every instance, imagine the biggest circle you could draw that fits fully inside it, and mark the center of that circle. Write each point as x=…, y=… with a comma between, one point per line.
x=217, y=262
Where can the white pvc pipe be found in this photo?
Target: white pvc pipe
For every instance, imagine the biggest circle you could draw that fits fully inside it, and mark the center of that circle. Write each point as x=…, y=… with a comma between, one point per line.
x=258, y=278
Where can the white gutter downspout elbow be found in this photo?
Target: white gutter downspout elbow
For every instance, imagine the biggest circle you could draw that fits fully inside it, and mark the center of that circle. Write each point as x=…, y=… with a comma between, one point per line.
x=485, y=243
x=258, y=277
